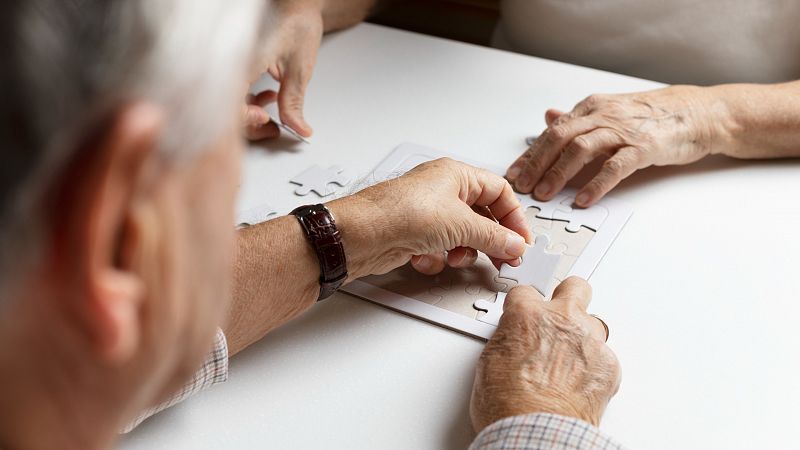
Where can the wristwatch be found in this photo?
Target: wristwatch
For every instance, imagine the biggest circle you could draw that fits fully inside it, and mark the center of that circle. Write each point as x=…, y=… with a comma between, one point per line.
x=320, y=229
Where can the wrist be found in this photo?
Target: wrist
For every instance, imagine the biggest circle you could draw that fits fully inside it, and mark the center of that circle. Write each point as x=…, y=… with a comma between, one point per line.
x=364, y=233
x=722, y=116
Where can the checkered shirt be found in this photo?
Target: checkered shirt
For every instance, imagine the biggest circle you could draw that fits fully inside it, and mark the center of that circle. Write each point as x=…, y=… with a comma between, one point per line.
x=540, y=432
x=214, y=370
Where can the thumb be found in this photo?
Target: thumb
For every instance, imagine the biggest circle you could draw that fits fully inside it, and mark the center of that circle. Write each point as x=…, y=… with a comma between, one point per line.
x=551, y=116
x=291, y=99
x=491, y=238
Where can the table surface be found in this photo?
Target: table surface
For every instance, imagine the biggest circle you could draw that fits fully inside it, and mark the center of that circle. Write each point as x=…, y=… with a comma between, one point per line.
x=700, y=289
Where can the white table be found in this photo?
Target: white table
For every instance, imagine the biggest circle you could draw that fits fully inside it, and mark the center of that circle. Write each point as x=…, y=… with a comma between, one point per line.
x=700, y=289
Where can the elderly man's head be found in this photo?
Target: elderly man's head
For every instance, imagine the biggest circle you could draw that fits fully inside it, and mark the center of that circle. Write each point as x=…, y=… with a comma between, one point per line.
x=118, y=170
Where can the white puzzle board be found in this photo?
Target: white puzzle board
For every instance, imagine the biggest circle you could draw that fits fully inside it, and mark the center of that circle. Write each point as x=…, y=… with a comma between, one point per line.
x=580, y=236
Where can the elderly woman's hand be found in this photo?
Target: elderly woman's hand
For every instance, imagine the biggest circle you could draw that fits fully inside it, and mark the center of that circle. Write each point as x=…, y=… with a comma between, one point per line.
x=545, y=357
x=662, y=127
x=438, y=213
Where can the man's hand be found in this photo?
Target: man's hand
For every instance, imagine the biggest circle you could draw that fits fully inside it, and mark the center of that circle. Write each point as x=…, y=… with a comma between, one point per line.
x=668, y=126
x=440, y=212
x=545, y=357
x=289, y=52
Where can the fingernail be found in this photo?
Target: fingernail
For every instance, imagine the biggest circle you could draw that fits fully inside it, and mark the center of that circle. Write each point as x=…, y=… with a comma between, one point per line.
x=515, y=245
x=423, y=262
x=582, y=199
x=513, y=173
x=463, y=258
x=543, y=189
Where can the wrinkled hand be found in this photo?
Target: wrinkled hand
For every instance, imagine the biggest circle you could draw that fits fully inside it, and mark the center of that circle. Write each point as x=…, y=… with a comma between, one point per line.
x=289, y=52
x=545, y=357
x=634, y=131
x=438, y=213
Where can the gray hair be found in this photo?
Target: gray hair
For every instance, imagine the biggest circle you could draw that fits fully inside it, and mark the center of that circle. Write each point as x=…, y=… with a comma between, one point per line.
x=68, y=64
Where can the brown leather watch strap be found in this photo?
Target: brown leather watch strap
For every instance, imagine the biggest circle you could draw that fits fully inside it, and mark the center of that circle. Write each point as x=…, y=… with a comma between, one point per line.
x=320, y=229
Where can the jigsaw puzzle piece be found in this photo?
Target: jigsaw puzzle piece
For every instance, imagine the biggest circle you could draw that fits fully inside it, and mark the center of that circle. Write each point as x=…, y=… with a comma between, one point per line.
x=467, y=285
x=546, y=209
x=317, y=179
x=443, y=285
x=536, y=224
x=565, y=264
x=409, y=283
x=255, y=215
x=537, y=267
x=453, y=289
x=493, y=309
x=482, y=278
x=504, y=285
x=574, y=242
x=590, y=218
x=556, y=247
x=459, y=301
x=540, y=226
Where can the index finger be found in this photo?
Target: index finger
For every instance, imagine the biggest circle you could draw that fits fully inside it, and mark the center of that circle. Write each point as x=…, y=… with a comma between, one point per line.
x=528, y=169
x=489, y=190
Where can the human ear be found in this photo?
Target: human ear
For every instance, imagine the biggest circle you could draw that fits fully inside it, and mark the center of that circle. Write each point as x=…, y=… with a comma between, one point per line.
x=114, y=168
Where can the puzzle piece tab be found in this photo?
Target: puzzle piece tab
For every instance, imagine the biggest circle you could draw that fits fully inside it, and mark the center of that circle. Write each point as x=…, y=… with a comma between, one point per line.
x=560, y=208
x=493, y=309
x=574, y=242
x=537, y=267
x=317, y=179
x=453, y=289
x=590, y=218
x=536, y=223
x=546, y=209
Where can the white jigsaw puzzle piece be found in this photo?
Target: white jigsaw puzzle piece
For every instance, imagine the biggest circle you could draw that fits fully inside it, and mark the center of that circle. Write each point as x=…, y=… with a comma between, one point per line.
x=493, y=309
x=591, y=218
x=547, y=209
x=291, y=131
x=537, y=267
x=317, y=179
x=255, y=215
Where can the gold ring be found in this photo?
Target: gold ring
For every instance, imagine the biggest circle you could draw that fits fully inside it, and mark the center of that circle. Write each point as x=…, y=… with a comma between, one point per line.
x=605, y=326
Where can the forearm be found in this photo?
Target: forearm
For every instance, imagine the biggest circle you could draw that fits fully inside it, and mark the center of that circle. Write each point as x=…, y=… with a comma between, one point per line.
x=274, y=280
x=276, y=276
x=339, y=14
x=756, y=121
x=336, y=14
x=277, y=272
